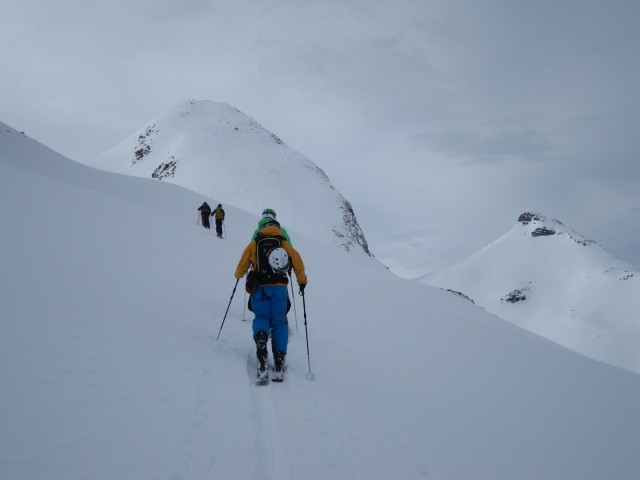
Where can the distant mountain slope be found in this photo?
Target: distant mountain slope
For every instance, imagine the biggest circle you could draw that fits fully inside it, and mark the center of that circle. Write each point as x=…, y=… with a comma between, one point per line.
x=214, y=149
x=552, y=281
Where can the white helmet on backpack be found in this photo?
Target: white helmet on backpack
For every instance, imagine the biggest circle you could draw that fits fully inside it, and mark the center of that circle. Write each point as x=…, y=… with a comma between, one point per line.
x=278, y=260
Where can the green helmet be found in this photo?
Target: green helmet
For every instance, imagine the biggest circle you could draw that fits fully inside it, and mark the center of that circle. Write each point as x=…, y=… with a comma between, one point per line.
x=269, y=213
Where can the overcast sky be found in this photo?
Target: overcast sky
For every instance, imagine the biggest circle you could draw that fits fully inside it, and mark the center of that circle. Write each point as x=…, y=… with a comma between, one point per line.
x=441, y=121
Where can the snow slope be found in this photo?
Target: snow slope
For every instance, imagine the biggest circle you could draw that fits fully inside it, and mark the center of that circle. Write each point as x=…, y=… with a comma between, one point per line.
x=216, y=150
x=111, y=297
x=547, y=278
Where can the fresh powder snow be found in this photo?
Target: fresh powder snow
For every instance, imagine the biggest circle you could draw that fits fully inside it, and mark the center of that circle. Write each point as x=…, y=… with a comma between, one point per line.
x=111, y=298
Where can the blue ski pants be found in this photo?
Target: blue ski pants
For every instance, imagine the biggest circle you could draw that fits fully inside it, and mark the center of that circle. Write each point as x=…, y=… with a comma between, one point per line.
x=269, y=304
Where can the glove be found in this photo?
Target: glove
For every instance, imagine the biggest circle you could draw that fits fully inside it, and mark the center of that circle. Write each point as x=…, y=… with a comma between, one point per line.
x=302, y=285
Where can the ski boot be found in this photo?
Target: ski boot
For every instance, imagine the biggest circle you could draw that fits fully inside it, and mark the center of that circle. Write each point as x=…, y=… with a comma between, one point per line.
x=278, y=374
x=262, y=354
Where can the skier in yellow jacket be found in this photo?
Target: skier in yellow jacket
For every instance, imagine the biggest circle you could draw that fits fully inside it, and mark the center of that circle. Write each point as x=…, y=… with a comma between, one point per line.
x=270, y=256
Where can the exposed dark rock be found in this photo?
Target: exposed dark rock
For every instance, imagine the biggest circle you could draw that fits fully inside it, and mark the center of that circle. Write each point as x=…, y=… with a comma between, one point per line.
x=460, y=294
x=542, y=231
x=527, y=217
x=141, y=153
x=144, y=147
x=353, y=228
x=165, y=170
x=584, y=242
x=514, y=296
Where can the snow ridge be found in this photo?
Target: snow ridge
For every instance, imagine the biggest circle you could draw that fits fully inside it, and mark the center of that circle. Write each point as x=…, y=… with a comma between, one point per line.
x=216, y=150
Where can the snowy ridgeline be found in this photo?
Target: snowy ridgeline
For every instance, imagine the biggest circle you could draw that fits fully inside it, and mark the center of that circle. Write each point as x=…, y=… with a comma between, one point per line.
x=547, y=278
x=111, y=297
x=216, y=150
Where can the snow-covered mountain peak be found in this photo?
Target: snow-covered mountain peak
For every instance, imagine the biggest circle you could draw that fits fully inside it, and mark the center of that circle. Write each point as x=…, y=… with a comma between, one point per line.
x=208, y=118
x=549, y=279
x=214, y=149
x=537, y=225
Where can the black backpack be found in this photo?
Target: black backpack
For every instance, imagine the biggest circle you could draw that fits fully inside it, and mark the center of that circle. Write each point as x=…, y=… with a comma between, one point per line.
x=264, y=272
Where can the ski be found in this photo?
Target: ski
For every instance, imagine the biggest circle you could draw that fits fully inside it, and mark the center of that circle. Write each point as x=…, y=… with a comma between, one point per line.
x=270, y=374
x=262, y=379
x=262, y=372
x=265, y=379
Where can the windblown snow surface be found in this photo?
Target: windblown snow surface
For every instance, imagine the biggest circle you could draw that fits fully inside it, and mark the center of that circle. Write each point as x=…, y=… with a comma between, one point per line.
x=111, y=298
x=549, y=279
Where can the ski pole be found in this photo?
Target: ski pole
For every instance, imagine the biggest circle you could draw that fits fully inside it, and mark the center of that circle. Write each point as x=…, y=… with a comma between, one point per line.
x=295, y=311
x=304, y=307
x=244, y=309
x=225, y=313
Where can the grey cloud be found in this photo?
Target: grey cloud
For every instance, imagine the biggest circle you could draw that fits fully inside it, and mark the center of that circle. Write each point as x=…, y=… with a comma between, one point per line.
x=488, y=143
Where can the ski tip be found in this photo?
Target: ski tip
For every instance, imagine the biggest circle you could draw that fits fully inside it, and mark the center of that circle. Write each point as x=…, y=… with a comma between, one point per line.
x=310, y=376
x=262, y=379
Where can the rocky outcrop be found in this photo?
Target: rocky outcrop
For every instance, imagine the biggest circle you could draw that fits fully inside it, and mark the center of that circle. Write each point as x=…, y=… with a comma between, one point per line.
x=546, y=227
x=515, y=296
x=527, y=217
x=543, y=232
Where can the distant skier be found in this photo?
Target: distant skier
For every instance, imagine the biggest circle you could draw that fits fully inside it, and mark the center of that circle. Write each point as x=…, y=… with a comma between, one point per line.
x=267, y=215
x=269, y=256
x=219, y=215
x=205, y=213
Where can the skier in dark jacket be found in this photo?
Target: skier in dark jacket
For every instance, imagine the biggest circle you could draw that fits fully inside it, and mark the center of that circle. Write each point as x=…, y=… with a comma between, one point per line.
x=218, y=213
x=270, y=256
x=205, y=213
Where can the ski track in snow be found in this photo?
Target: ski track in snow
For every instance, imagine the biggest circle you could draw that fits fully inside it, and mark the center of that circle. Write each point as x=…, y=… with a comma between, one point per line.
x=277, y=455
x=270, y=447
x=196, y=459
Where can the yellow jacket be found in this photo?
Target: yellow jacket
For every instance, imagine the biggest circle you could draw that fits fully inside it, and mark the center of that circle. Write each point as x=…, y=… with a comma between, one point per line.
x=248, y=259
